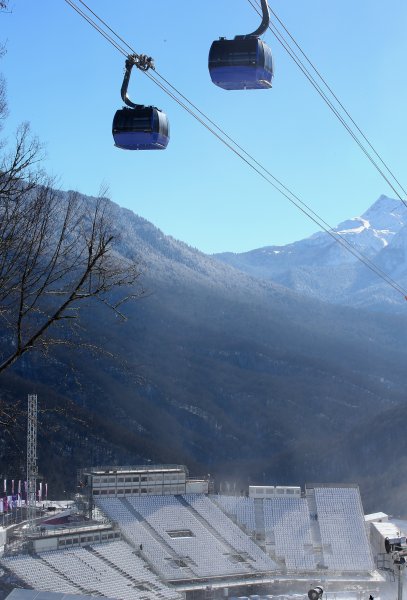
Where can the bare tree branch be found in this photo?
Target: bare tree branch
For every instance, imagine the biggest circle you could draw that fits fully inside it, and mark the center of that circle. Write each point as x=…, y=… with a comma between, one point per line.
x=56, y=253
x=3, y=98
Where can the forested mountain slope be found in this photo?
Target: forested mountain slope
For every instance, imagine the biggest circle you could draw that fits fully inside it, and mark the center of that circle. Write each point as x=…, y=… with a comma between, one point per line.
x=232, y=375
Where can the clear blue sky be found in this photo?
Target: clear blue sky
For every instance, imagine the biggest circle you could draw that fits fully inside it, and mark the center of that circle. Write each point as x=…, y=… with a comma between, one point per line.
x=65, y=79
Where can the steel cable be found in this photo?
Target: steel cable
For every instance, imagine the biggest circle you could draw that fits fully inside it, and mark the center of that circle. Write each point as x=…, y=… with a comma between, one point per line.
x=300, y=64
x=229, y=142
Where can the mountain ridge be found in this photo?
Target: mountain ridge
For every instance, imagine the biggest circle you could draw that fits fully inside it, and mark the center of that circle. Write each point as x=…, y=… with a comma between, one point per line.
x=321, y=268
x=214, y=368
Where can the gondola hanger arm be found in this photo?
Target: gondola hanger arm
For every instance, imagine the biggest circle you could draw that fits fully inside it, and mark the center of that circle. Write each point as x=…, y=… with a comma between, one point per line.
x=142, y=62
x=264, y=23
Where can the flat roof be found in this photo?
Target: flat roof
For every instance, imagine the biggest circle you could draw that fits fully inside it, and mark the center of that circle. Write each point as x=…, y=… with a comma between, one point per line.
x=379, y=516
x=310, y=486
x=386, y=529
x=72, y=530
x=275, y=487
x=120, y=469
x=20, y=594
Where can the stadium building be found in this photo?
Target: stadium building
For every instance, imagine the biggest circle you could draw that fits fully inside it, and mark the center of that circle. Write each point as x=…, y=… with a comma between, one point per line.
x=150, y=532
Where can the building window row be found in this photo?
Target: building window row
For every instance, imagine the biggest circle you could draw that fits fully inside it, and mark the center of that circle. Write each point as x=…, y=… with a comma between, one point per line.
x=157, y=490
x=112, y=479
x=86, y=539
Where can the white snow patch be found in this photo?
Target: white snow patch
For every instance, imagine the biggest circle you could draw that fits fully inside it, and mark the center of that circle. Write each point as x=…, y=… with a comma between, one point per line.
x=355, y=230
x=365, y=224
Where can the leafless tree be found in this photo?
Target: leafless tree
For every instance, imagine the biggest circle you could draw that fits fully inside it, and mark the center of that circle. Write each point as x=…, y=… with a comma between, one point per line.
x=56, y=253
x=3, y=96
x=3, y=101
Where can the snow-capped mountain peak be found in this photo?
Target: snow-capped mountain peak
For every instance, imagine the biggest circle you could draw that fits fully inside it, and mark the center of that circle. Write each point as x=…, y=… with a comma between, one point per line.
x=320, y=267
x=386, y=214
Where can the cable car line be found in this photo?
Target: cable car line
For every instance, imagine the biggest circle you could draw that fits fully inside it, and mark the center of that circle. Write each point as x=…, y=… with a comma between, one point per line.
x=321, y=222
x=266, y=23
x=209, y=120
x=291, y=52
x=107, y=26
x=279, y=36
x=339, y=102
x=285, y=44
x=240, y=152
x=200, y=112
x=95, y=26
x=328, y=229
x=336, y=236
x=320, y=91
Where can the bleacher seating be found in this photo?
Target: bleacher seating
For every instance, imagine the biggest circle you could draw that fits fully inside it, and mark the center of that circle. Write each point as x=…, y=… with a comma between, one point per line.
x=110, y=569
x=215, y=545
x=39, y=575
x=154, y=551
x=124, y=558
x=343, y=533
x=207, y=553
x=240, y=507
x=286, y=522
x=190, y=537
x=230, y=532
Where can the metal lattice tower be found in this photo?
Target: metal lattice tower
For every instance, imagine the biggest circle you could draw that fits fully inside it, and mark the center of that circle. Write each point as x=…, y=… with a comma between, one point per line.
x=32, y=468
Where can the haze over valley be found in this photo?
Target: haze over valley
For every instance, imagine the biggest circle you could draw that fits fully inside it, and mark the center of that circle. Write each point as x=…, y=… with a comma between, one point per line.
x=230, y=371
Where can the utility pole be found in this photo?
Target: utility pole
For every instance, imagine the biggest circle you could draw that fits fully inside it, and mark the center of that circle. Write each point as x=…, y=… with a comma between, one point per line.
x=32, y=468
x=400, y=568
